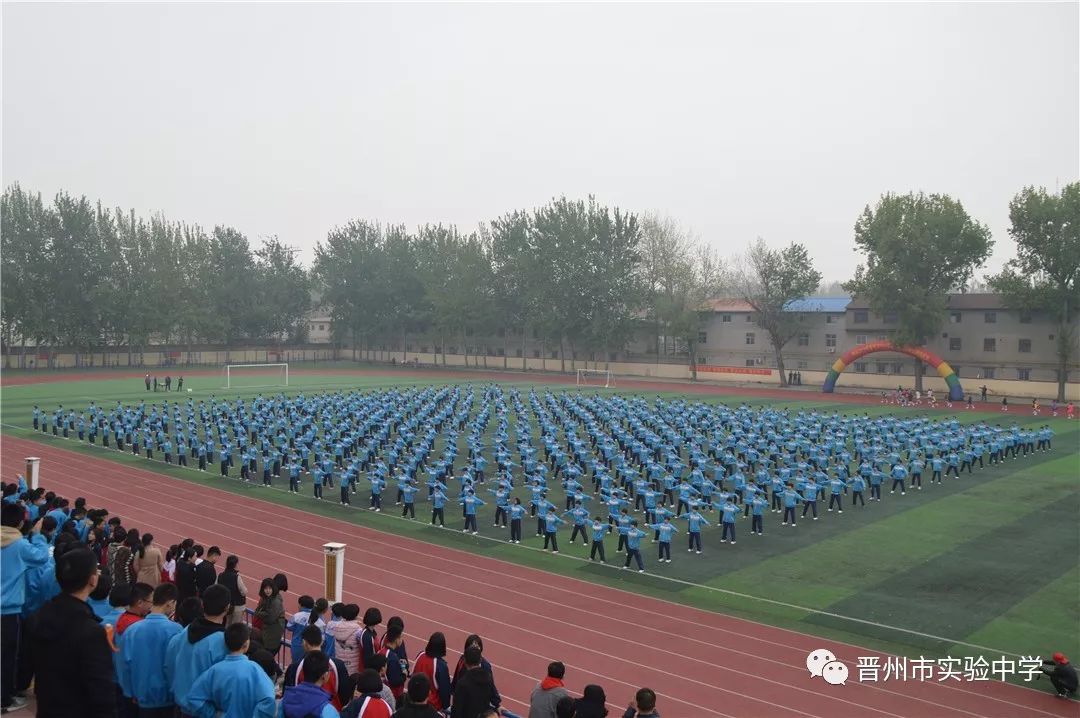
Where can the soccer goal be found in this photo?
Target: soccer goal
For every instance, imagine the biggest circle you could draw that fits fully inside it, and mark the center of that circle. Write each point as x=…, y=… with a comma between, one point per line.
x=595, y=377
x=253, y=376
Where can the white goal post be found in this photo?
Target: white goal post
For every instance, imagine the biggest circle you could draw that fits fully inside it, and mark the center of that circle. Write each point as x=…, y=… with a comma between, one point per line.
x=595, y=377
x=252, y=376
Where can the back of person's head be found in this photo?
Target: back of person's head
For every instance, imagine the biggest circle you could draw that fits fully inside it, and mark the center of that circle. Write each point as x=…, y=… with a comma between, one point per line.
x=565, y=708
x=350, y=612
x=594, y=694
x=231, y=563
x=436, y=645
x=306, y=601
x=556, y=670
x=321, y=604
x=312, y=636
x=281, y=581
x=120, y=595
x=646, y=699
x=336, y=609
x=367, y=683
x=12, y=515
x=199, y=550
x=372, y=616
x=165, y=593
x=103, y=589
x=392, y=633
x=317, y=665
x=216, y=600
x=213, y=552
x=147, y=539
x=76, y=569
x=473, y=657
x=419, y=688
x=188, y=610
x=236, y=635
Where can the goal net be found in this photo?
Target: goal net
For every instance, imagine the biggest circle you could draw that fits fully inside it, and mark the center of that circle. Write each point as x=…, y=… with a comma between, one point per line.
x=252, y=376
x=595, y=377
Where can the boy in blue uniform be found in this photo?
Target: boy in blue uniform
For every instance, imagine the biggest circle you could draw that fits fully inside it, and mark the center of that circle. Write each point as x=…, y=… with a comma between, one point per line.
x=143, y=652
x=599, y=529
x=633, y=545
x=235, y=686
x=551, y=526
x=694, y=522
x=665, y=531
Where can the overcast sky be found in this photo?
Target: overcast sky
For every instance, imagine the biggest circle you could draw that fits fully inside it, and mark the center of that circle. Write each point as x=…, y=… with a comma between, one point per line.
x=773, y=120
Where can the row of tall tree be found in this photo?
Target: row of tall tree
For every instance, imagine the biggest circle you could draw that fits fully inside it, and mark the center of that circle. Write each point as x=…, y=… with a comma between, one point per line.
x=81, y=275
x=574, y=274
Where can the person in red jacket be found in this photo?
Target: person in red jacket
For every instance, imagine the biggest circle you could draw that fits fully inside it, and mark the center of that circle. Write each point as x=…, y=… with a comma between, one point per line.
x=432, y=663
x=368, y=704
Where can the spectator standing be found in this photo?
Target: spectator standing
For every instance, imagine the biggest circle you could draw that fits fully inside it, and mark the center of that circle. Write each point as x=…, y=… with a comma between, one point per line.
x=202, y=644
x=548, y=692
x=185, y=576
x=231, y=579
x=592, y=703
x=233, y=687
x=148, y=562
x=474, y=691
x=18, y=557
x=339, y=684
x=206, y=570
x=344, y=633
x=309, y=699
x=417, y=703
x=644, y=705
x=473, y=640
x=432, y=664
x=143, y=652
x=270, y=613
x=69, y=649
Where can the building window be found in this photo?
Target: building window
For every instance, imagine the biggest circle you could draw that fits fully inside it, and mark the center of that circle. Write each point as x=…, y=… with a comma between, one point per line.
x=438, y=348
x=750, y=362
x=988, y=372
x=804, y=340
x=423, y=350
x=749, y=337
x=898, y=367
x=501, y=352
x=517, y=353
x=860, y=339
x=725, y=318
x=749, y=317
x=860, y=367
x=322, y=327
x=882, y=337
x=861, y=316
x=536, y=353
x=954, y=317
x=452, y=350
x=613, y=356
x=1023, y=374
x=989, y=344
x=889, y=317
x=802, y=365
x=1025, y=346
x=830, y=319
x=1025, y=317
x=954, y=344
x=882, y=368
x=830, y=340
x=990, y=317
x=554, y=353
x=701, y=336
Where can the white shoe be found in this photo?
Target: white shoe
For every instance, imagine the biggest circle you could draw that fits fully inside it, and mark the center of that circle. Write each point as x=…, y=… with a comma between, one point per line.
x=732, y=543
x=475, y=532
x=641, y=570
x=699, y=551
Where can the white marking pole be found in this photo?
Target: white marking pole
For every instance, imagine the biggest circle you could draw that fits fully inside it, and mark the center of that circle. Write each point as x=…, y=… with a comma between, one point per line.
x=333, y=570
x=33, y=463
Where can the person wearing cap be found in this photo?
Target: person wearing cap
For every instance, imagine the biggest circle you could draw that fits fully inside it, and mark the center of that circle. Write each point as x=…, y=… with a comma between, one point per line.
x=69, y=649
x=1062, y=675
x=234, y=687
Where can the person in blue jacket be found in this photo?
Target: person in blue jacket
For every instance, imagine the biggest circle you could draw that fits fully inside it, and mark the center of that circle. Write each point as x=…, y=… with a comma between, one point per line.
x=18, y=556
x=633, y=544
x=191, y=652
x=665, y=531
x=551, y=527
x=599, y=530
x=234, y=687
x=309, y=698
x=730, y=511
x=470, y=501
x=143, y=653
x=517, y=513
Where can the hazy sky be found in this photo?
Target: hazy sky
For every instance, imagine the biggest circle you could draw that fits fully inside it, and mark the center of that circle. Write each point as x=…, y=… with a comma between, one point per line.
x=739, y=120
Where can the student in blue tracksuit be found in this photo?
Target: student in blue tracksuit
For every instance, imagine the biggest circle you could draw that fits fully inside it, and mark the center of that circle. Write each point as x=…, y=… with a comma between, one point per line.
x=917, y=465
x=758, y=505
x=551, y=526
x=235, y=687
x=18, y=557
x=294, y=476
x=633, y=545
x=899, y=474
x=438, y=506
x=191, y=652
x=599, y=530
x=408, y=497
x=791, y=500
x=581, y=520
x=810, y=492
x=296, y=625
x=858, y=485
x=143, y=652
x=730, y=512
x=694, y=522
x=836, y=494
x=470, y=501
x=665, y=531
x=517, y=513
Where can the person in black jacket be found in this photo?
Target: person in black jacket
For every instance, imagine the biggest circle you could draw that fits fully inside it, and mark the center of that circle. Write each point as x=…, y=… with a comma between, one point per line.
x=70, y=652
x=185, y=577
x=475, y=691
x=206, y=572
x=231, y=579
x=416, y=699
x=592, y=703
x=1062, y=675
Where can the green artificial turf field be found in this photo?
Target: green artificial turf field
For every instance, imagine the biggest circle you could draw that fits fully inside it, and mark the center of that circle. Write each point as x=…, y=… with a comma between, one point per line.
x=985, y=565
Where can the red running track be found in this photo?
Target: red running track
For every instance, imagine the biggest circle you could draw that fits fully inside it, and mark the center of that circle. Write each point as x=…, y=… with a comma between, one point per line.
x=700, y=663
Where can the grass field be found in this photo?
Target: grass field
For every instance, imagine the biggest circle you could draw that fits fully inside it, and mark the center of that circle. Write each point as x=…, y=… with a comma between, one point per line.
x=984, y=565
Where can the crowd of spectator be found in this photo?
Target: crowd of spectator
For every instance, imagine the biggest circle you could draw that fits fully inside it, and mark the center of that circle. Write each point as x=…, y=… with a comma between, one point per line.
x=99, y=621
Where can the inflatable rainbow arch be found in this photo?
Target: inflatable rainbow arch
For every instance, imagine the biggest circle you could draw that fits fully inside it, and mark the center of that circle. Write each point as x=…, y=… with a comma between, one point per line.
x=956, y=392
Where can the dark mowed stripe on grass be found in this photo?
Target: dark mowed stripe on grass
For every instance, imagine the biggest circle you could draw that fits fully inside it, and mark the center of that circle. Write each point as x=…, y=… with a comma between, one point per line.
x=954, y=593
